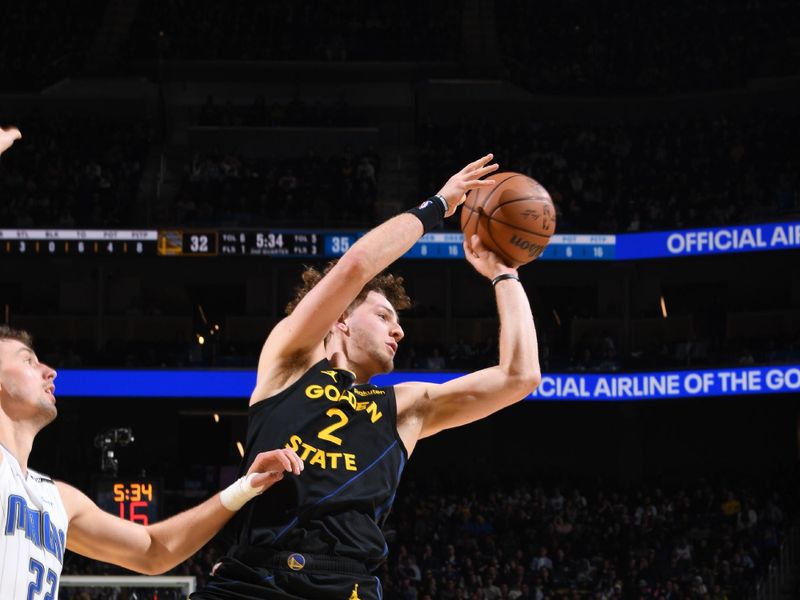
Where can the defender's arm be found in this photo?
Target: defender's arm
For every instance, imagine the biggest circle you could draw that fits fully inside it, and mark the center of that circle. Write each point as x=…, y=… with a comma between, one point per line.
x=153, y=549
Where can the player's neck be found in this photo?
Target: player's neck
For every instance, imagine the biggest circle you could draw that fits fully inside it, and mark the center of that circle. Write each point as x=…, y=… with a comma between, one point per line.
x=338, y=358
x=17, y=439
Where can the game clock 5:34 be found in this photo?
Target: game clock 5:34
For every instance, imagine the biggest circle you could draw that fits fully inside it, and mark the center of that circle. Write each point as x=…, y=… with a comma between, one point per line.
x=134, y=500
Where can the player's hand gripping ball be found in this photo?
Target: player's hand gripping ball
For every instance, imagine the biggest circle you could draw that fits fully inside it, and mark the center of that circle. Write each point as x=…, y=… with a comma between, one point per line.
x=515, y=218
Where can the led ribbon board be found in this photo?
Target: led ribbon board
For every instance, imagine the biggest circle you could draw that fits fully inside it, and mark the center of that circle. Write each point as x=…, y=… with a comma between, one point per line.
x=594, y=387
x=437, y=245
x=699, y=242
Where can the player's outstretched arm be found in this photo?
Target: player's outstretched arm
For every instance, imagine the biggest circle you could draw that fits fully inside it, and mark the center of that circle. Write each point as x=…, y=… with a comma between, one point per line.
x=7, y=137
x=299, y=336
x=425, y=408
x=156, y=548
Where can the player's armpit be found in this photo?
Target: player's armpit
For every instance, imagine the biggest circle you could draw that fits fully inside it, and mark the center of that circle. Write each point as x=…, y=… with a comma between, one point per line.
x=429, y=408
x=292, y=342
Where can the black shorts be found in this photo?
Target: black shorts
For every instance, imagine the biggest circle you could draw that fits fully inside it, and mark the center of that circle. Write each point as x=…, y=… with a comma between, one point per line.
x=309, y=577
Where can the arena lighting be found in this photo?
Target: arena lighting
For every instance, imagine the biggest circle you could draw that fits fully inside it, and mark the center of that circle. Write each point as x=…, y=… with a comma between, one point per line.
x=216, y=417
x=663, y=307
x=586, y=387
x=240, y=448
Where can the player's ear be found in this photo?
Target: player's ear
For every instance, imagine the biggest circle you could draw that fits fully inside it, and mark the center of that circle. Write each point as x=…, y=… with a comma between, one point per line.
x=341, y=323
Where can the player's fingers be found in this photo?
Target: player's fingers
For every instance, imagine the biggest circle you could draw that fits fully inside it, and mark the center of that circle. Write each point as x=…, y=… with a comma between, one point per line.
x=478, y=163
x=477, y=245
x=476, y=183
x=264, y=480
x=271, y=461
x=469, y=251
x=284, y=460
x=478, y=173
x=467, y=246
x=296, y=461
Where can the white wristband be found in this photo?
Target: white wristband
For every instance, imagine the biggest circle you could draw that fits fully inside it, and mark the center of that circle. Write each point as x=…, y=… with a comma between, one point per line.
x=237, y=494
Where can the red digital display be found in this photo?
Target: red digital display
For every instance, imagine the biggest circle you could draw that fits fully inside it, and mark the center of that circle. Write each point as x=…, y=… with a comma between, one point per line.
x=132, y=500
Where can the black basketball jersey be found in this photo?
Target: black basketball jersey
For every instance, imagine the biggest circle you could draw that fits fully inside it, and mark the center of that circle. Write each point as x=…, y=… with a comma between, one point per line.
x=347, y=436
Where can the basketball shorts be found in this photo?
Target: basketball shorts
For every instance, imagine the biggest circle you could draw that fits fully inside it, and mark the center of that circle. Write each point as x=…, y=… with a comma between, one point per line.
x=289, y=576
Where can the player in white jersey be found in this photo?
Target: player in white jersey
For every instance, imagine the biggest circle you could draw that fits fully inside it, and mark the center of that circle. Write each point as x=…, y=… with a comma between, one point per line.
x=40, y=518
x=34, y=523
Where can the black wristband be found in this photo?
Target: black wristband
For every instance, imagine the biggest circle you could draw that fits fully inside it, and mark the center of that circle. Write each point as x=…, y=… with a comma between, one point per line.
x=431, y=212
x=503, y=276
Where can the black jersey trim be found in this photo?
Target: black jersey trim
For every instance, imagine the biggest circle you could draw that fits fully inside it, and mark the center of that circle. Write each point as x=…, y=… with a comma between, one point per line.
x=393, y=412
x=388, y=506
x=294, y=521
x=255, y=407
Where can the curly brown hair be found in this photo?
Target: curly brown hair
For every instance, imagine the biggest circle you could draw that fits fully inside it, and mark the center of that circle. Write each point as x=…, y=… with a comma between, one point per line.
x=385, y=283
x=20, y=335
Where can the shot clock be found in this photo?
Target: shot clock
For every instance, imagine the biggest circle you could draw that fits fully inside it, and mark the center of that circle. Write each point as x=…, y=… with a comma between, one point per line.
x=134, y=500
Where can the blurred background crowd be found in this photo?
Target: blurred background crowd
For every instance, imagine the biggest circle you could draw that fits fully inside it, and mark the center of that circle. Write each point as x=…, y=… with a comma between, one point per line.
x=636, y=117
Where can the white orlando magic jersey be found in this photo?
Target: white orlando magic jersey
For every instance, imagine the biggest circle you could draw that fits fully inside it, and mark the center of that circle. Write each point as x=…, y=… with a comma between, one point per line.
x=34, y=533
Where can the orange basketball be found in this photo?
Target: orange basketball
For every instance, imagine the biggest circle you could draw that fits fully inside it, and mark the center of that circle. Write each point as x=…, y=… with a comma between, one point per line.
x=515, y=218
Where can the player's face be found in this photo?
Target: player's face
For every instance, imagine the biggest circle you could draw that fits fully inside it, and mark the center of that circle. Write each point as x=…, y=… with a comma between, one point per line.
x=374, y=334
x=27, y=391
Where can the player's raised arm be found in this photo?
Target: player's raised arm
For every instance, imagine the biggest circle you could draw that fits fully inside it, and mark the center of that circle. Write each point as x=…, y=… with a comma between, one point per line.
x=7, y=137
x=425, y=408
x=156, y=548
x=297, y=341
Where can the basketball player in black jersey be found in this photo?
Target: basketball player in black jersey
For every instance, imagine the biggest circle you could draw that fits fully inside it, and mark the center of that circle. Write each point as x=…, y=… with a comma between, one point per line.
x=318, y=537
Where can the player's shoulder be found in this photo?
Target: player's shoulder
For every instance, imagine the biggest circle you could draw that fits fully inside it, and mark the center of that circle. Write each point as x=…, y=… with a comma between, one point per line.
x=75, y=501
x=40, y=477
x=278, y=381
x=372, y=391
x=410, y=395
x=7, y=463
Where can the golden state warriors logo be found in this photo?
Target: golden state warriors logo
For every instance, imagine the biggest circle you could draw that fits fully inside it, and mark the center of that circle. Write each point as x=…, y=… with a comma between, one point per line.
x=296, y=561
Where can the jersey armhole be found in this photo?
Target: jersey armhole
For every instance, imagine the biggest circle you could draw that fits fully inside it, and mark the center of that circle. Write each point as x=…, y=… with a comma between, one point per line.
x=253, y=408
x=393, y=412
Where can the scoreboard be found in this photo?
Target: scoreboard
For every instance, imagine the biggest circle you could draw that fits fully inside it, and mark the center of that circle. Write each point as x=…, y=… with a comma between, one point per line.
x=440, y=245
x=332, y=244
x=274, y=243
x=290, y=244
x=77, y=242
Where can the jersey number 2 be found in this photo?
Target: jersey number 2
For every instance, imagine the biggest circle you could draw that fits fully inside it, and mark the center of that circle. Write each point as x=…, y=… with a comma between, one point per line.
x=326, y=434
x=35, y=586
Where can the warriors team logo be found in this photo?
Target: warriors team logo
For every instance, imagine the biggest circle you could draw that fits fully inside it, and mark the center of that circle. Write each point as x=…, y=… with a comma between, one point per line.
x=296, y=561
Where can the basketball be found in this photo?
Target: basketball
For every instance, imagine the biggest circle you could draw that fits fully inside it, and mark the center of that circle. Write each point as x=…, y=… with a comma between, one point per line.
x=514, y=219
